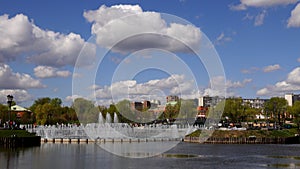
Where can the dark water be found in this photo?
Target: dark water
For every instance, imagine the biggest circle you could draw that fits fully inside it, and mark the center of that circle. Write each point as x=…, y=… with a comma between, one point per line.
x=185, y=155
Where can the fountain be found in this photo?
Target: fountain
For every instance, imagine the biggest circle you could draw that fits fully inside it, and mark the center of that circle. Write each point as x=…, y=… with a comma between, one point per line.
x=105, y=129
x=108, y=118
x=116, y=120
x=100, y=118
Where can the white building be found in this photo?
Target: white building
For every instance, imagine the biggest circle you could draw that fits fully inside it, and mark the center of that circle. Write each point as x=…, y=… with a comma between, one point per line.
x=291, y=98
x=256, y=103
x=207, y=101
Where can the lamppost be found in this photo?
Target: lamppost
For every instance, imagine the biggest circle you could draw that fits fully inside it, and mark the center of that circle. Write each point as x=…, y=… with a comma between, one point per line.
x=9, y=102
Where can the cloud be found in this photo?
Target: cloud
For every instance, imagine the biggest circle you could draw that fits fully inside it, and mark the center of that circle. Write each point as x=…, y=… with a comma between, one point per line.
x=121, y=22
x=48, y=72
x=239, y=7
x=294, y=20
x=12, y=80
x=221, y=39
x=237, y=84
x=160, y=88
x=19, y=96
x=94, y=87
x=251, y=70
x=220, y=85
x=244, y=4
x=271, y=68
x=152, y=89
x=73, y=97
x=266, y=69
x=259, y=19
x=294, y=76
x=290, y=84
x=21, y=37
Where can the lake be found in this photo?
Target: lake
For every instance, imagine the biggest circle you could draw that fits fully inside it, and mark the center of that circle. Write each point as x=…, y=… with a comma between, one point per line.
x=184, y=155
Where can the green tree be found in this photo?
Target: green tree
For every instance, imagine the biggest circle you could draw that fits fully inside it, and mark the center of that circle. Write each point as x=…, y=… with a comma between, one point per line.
x=216, y=112
x=49, y=111
x=3, y=113
x=234, y=109
x=125, y=113
x=56, y=102
x=39, y=101
x=187, y=109
x=86, y=111
x=277, y=107
x=295, y=111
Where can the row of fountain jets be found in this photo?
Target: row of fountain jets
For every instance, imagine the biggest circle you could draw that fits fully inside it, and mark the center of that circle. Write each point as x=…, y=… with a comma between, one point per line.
x=108, y=118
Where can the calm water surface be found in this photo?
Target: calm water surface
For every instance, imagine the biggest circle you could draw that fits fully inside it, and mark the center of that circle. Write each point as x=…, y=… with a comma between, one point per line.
x=185, y=155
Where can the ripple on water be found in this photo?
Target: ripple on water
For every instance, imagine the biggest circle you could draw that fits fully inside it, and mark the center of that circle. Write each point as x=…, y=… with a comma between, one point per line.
x=286, y=157
x=295, y=164
x=180, y=155
x=290, y=165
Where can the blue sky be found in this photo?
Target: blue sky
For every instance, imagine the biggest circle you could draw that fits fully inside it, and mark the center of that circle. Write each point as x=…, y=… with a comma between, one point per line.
x=257, y=43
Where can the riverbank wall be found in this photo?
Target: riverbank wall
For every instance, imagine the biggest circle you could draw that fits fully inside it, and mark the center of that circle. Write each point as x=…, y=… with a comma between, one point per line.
x=111, y=140
x=249, y=140
x=15, y=142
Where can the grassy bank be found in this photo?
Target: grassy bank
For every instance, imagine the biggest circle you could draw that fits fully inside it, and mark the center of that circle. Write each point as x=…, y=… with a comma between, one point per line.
x=245, y=134
x=18, y=133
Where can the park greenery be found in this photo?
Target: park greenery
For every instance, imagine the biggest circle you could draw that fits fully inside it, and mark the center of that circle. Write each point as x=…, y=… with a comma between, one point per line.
x=50, y=111
x=18, y=133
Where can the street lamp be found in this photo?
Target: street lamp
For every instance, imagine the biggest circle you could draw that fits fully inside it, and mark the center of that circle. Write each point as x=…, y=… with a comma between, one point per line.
x=9, y=102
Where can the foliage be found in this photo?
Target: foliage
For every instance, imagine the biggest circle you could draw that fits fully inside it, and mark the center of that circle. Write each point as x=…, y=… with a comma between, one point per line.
x=245, y=134
x=295, y=111
x=50, y=111
x=86, y=111
x=276, y=107
x=19, y=133
x=236, y=110
x=124, y=111
x=3, y=113
x=188, y=110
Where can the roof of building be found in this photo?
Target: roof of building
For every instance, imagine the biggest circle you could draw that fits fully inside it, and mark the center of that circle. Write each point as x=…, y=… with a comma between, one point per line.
x=18, y=108
x=172, y=103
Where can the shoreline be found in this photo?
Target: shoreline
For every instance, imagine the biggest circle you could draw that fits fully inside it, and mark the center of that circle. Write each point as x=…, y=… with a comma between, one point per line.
x=244, y=140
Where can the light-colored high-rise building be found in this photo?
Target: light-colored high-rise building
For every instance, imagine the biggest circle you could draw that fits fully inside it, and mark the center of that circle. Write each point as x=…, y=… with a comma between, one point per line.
x=291, y=98
x=256, y=103
x=207, y=101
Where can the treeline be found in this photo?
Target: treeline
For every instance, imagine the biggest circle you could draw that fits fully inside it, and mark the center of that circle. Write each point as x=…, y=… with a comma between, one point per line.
x=49, y=111
x=275, y=110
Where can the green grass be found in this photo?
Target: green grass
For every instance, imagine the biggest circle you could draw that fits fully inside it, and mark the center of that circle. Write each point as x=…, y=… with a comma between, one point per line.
x=258, y=133
x=18, y=133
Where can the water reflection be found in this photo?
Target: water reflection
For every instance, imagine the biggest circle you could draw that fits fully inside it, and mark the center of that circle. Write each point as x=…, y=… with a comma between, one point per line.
x=78, y=156
x=180, y=156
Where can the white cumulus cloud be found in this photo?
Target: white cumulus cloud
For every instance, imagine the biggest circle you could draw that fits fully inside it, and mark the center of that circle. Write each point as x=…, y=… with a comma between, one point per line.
x=21, y=37
x=152, y=89
x=259, y=19
x=48, y=72
x=294, y=76
x=290, y=84
x=12, y=80
x=222, y=38
x=244, y=4
x=219, y=85
x=294, y=20
x=19, y=95
x=264, y=4
x=271, y=68
x=122, y=22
